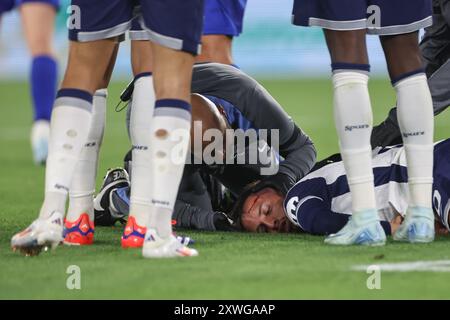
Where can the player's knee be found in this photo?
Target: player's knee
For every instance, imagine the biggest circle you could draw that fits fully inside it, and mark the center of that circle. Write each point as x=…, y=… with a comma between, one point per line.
x=141, y=57
x=141, y=66
x=80, y=77
x=172, y=88
x=347, y=46
x=40, y=47
x=84, y=70
x=402, y=53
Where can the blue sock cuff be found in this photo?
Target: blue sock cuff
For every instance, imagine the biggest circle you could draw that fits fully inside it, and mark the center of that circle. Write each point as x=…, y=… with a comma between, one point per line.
x=394, y=81
x=173, y=103
x=143, y=74
x=75, y=93
x=45, y=57
x=350, y=66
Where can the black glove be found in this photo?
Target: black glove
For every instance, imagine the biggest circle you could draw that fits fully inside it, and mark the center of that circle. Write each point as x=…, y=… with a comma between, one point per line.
x=386, y=133
x=222, y=222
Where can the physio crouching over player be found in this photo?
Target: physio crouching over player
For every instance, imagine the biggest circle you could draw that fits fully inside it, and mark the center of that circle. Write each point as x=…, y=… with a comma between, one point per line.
x=226, y=103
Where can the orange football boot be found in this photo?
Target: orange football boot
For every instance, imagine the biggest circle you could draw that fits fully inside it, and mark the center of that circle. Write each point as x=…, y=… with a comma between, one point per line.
x=133, y=235
x=79, y=232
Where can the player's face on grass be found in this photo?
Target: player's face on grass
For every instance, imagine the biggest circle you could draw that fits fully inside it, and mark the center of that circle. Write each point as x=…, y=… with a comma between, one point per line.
x=263, y=212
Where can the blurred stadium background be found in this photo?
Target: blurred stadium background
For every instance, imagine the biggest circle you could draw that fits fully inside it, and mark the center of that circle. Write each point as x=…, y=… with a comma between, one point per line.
x=269, y=46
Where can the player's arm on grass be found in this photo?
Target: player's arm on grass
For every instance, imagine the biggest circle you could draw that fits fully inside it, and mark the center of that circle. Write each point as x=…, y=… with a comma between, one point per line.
x=264, y=112
x=194, y=206
x=309, y=206
x=316, y=217
x=193, y=217
x=185, y=215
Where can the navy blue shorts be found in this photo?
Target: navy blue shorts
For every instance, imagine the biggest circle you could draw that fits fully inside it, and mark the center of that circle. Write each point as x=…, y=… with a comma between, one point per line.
x=224, y=17
x=381, y=17
x=8, y=5
x=171, y=23
x=136, y=31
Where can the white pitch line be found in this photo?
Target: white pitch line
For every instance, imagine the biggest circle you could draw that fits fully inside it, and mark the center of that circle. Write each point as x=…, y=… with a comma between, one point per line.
x=421, y=266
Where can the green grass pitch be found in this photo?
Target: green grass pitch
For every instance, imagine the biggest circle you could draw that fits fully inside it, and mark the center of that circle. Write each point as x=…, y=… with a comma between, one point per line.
x=230, y=266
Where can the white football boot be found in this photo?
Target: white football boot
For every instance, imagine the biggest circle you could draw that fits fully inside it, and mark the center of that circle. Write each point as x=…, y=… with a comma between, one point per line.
x=418, y=226
x=40, y=133
x=41, y=234
x=157, y=247
x=364, y=228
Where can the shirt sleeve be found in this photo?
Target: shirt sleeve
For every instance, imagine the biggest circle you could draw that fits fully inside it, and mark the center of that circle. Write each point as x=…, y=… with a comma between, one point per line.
x=308, y=204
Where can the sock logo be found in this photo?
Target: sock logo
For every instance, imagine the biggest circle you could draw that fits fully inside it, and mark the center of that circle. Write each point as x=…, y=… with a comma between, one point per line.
x=90, y=144
x=160, y=203
x=140, y=148
x=59, y=187
x=413, y=134
x=356, y=127
x=57, y=220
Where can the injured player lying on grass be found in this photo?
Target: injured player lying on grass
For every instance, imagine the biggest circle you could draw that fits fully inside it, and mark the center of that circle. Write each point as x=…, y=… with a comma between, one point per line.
x=225, y=101
x=320, y=203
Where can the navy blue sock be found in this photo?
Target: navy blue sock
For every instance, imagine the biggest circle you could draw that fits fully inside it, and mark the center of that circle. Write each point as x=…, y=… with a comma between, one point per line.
x=43, y=79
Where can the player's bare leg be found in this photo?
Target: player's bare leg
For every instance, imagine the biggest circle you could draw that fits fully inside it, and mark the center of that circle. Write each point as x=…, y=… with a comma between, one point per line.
x=70, y=124
x=162, y=165
x=38, y=26
x=216, y=48
x=415, y=115
x=141, y=57
x=79, y=222
x=353, y=119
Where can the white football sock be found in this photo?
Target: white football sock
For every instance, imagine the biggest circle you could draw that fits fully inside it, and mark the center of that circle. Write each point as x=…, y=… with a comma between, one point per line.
x=415, y=117
x=140, y=132
x=83, y=183
x=71, y=119
x=353, y=119
x=170, y=140
x=160, y=220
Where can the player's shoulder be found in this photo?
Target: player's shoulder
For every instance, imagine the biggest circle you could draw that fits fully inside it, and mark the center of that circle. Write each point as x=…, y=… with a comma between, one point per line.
x=304, y=191
x=310, y=185
x=442, y=146
x=442, y=157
